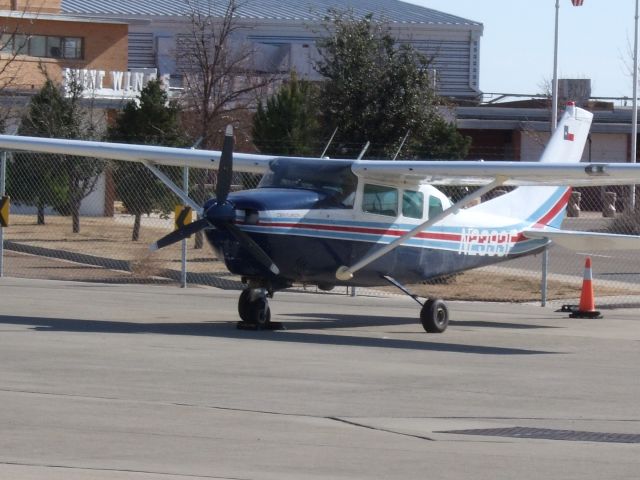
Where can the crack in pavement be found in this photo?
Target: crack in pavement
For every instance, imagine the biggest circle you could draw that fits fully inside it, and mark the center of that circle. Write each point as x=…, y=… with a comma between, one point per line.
x=121, y=470
x=332, y=418
x=378, y=429
x=231, y=409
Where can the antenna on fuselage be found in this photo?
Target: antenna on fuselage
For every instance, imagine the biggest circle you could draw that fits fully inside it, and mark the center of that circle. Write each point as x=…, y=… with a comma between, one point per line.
x=329, y=142
x=406, y=135
x=197, y=143
x=364, y=150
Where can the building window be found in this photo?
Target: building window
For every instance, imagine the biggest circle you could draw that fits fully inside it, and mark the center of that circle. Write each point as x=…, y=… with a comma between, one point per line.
x=43, y=46
x=38, y=46
x=72, y=47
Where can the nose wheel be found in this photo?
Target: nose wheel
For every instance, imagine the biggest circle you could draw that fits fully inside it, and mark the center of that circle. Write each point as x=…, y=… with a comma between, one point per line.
x=254, y=311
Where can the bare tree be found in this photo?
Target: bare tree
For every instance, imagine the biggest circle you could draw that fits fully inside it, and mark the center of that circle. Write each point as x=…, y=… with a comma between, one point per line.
x=217, y=67
x=219, y=75
x=12, y=43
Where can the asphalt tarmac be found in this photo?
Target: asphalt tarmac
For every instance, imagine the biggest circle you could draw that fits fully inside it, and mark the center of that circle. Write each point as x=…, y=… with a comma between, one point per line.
x=154, y=382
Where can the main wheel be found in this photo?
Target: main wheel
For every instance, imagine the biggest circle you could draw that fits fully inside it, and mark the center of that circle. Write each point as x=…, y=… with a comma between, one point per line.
x=259, y=313
x=434, y=316
x=244, y=303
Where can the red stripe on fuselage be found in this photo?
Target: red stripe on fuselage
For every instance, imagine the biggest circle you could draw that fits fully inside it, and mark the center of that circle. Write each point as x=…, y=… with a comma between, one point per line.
x=451, y=237
x=560, y=204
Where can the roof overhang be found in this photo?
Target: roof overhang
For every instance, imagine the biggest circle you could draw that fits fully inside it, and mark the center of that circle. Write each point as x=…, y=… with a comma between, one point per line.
x=53, y=17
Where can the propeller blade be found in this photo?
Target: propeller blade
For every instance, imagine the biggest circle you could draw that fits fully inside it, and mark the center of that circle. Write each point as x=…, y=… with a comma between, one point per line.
x=225, y=169
x=180, y=234
x=256, y=251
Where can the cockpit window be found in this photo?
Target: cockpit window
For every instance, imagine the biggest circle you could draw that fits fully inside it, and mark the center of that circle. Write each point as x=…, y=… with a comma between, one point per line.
x=435, y=206
x=412, y=204
x=380, y=200
x=335, y=180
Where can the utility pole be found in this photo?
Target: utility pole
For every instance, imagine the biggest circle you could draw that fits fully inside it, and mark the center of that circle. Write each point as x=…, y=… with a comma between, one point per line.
x=634, y=113
x=3, y=175
x=554, y=124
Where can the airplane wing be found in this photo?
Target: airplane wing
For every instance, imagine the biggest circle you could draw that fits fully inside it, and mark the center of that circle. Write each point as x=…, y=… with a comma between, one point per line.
x=437, y=172
x=558, y=165
x=180, y=157
x=586, y=241
x=483, y=173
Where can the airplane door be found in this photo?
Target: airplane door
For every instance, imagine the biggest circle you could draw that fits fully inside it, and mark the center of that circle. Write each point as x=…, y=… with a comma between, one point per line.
x=379, y=209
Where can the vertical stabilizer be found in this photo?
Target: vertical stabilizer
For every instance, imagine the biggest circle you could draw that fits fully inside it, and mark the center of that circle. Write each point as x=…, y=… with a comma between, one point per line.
x=545, y=206
x=567, y=142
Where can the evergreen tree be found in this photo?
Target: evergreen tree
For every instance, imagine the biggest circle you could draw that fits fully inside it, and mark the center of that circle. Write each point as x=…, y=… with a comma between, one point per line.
x=59, y=181
x=377, y=91
x=288, y=123
x=152, y=121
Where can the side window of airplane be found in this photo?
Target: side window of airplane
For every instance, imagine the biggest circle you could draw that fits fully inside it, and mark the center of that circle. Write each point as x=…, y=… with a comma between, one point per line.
x=412, y=204
x=435, y=206
x=380, y=200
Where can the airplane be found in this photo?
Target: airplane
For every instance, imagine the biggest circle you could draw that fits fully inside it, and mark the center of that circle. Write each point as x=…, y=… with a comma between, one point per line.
x=345, y=222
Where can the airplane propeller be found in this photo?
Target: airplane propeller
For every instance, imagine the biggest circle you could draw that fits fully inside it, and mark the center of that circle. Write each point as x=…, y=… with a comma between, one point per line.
x=221, y=214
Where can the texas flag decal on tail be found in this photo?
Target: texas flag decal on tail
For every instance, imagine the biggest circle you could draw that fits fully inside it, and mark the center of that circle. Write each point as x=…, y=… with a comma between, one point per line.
x=567, y=134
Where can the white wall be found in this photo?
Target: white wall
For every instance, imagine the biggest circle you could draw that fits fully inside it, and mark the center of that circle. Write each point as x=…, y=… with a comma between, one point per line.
x=92, y=206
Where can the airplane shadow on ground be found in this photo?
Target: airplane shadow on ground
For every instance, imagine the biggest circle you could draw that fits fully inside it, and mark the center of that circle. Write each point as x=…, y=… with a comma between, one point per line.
x=339, y=320
x=288, y=335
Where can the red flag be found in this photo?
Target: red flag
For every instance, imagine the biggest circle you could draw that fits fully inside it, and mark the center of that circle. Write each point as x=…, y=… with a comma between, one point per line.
x=577, y=3
x=567, y=134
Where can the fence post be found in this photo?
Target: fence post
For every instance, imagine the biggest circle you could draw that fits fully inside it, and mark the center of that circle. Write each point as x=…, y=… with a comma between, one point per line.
x=609, y=207
x=573, y=208
x=543, y=283
x=3, y=174
x=183, y=272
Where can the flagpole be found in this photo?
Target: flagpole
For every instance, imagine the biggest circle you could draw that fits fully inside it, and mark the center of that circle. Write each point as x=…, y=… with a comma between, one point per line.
x=554, y=124
x=634, y=113
x=554, y=86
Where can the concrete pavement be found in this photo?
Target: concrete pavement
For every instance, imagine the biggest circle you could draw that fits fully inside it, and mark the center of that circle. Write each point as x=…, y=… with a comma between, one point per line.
x=137, y=381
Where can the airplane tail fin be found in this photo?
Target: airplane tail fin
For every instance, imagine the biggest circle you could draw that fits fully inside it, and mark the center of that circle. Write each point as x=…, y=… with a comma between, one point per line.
x=545, y=206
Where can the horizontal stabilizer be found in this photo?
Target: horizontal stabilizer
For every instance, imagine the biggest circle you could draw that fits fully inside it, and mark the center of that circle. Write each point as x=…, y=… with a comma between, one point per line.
x=587, y=241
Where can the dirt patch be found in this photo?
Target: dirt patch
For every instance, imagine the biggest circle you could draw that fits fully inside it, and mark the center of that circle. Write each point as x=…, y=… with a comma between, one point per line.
x=110, y=238
x=488, y=285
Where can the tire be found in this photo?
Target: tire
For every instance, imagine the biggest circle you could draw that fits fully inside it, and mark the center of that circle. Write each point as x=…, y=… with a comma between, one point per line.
x=244, y=305
x=434, y=316
x=259, y=313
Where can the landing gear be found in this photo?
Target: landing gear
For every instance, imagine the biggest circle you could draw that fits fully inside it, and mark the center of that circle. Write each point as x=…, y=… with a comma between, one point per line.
x=434, y=316
x=254, y=311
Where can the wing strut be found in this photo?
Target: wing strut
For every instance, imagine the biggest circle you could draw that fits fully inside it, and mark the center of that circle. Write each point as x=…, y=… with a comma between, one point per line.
x=173, y=187
x=345, y=273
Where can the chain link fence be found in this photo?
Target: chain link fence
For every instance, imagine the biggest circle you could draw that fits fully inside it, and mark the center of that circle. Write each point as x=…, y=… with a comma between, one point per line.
x=41, y=242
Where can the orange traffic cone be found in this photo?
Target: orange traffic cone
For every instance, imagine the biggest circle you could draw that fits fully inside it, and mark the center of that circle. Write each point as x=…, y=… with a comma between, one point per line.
x=587, y=307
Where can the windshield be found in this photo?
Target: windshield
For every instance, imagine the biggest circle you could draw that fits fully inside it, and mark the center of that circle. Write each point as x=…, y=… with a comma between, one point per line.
x=335, y=180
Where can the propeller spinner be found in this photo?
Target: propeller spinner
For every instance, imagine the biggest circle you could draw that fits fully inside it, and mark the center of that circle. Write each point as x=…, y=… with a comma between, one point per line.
x=221, y=214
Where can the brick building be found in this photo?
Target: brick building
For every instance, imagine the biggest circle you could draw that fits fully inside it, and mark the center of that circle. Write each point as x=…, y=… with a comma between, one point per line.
x=37, y=37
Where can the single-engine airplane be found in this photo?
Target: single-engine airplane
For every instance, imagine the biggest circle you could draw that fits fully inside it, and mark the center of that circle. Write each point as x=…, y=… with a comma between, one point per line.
x=370, y=222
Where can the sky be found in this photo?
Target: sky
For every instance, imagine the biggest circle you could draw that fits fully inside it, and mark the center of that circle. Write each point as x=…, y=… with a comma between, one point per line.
x=516, y=47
